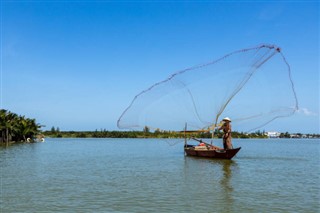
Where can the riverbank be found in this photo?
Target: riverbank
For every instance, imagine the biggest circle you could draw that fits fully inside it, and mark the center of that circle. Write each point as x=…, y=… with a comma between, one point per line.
x=154, y=135
x=163, y=134
x=143, y=134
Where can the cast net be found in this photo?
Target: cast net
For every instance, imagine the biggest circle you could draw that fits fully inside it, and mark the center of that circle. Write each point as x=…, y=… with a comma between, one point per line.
x=251, y=86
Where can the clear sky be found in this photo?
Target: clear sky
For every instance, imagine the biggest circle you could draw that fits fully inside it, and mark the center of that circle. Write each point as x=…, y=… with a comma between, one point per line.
x=77, y=65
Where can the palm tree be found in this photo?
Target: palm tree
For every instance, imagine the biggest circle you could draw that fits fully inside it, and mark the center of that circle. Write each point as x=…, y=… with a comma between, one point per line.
x=8, y=120
x=17, y=128
x=11, y=124
x=27, y=128
x=3, y=114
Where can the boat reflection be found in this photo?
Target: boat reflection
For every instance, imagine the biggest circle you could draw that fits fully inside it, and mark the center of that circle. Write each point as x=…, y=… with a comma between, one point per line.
x=212, y=178
x=226, y=184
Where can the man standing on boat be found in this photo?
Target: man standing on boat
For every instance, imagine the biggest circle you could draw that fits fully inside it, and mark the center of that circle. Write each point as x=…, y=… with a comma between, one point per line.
x=226, y=128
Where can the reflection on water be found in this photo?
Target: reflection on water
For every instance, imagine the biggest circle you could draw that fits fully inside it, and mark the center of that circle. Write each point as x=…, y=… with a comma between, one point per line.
x=214, y=178
x=227, y=167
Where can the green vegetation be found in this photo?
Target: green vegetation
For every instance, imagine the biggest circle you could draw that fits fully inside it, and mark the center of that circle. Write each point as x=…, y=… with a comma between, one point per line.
x=16, y=128
x=110, y=134
x=146, y=133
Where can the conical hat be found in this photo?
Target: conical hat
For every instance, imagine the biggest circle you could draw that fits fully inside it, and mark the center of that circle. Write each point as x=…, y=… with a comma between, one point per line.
x=226, y=119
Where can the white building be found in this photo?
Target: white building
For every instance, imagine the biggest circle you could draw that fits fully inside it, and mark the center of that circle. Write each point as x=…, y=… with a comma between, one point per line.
x=273, y=134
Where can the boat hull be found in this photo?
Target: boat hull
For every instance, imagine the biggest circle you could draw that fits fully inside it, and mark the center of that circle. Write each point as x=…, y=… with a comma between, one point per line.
x=220, y=154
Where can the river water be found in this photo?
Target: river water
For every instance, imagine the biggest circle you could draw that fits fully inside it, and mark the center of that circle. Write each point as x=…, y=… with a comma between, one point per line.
x=144, y=175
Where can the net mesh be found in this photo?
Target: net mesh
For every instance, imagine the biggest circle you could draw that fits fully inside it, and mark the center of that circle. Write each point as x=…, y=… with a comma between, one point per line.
x=252, y=86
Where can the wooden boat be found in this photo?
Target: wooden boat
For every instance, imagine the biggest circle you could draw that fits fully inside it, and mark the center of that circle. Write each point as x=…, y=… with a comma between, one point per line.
x=208, y=150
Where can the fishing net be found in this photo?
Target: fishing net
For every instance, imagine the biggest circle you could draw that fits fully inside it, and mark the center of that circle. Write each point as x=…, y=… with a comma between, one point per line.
x=251, y=86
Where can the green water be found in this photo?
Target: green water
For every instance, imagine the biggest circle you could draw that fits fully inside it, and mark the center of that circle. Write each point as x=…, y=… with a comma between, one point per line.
x=144, y=175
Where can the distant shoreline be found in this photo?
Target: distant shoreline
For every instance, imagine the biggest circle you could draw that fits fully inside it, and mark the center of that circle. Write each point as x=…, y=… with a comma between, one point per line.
x=154, y=135
x=166, y=134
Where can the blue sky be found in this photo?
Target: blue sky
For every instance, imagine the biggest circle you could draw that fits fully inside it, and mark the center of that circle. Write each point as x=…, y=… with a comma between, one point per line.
x=77, y=65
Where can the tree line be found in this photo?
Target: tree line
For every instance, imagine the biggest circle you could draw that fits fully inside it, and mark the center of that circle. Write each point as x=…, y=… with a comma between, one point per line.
x=145, y=133
x=17, y=128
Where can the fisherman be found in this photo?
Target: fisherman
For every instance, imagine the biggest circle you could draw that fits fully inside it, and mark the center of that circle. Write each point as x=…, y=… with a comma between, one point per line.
x=226, y=128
